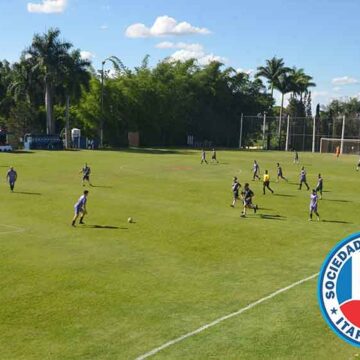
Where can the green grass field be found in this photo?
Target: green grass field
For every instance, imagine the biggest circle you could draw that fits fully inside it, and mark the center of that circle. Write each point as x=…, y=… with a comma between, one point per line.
x=113, y=290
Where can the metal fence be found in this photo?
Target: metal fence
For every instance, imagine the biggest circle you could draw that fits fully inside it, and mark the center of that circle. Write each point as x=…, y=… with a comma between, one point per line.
x=299, y=133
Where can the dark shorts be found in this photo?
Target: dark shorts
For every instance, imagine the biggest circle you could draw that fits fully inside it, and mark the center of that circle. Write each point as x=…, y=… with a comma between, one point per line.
x=78, y=210
x=247, y=202
x=266, y=183
x=319, y=188
x=86, y=177
x=236, y=194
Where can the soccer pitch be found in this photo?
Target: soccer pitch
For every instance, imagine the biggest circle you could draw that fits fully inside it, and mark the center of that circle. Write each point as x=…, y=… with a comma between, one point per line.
x=114, y=290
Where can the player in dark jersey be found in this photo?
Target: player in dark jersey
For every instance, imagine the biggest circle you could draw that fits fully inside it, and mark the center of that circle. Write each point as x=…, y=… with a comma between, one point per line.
x=247, y=194
x=213, y=156
x=266, y=183
x=235, y=190
x=256, y=170
x=11, y=178
x=319, y=186
x=313, y=205
x=296, y=157
x=303, y=179
x=86, y=171
x=203, y=157
x=358, y=166
x=280, y=174
x=80, y=208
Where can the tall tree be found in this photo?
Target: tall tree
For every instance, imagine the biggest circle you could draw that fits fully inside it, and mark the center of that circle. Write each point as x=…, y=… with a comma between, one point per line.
x=49, y=56
x=273, y=69
x=77, y=77
x=284, y=84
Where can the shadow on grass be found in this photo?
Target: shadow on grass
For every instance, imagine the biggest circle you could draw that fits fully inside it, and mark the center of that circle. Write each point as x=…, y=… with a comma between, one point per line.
x=341, y=201
x=108, y=227
x=27, y=193
x=284, y=195
x=272, y=217
x=337, y=222
x=101, y=186
x=21, y=152
x=153, y=151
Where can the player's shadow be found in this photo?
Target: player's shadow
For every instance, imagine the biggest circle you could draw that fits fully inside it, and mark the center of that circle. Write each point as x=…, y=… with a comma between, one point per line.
x=108, y=227
x=340, y=200
x=284, y=195
x=27, y=193
x=272, y=217
x=101, y=186
x=336, y=221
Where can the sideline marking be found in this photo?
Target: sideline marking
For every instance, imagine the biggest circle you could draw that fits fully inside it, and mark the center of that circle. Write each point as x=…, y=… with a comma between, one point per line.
x=223, y=318
x=16, y=229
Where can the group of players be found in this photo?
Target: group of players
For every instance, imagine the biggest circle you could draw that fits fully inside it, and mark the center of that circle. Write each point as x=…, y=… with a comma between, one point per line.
x=247, y=194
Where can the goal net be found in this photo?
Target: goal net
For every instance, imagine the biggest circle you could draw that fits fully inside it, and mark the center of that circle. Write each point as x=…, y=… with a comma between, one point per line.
x=350, y=146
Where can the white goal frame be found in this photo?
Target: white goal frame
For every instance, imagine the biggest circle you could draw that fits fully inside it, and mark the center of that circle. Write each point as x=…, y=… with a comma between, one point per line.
x=340, y=141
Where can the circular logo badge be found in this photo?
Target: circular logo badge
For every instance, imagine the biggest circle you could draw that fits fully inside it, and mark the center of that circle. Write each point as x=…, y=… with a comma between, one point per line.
x=339, y=289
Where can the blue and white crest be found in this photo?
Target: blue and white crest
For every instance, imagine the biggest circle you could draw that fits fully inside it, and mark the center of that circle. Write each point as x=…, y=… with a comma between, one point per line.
x=339, y=289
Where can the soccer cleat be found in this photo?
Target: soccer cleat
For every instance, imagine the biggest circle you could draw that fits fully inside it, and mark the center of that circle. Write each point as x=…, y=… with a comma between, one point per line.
x=73, y=223
x=242, y=215
x=81, y=222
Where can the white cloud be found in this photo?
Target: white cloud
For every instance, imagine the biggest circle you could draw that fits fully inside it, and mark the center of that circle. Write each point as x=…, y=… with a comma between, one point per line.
x=47, y=6
x=246, y=71
x=344, y=80
x=164, y=26
x=104, y=27
x=188, y=51
x=87, y=55
x=180, y=45
x=337, y=88
x=317, y=94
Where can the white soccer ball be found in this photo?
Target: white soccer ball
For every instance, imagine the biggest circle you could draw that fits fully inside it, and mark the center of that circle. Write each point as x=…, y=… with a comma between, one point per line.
x=130, y=220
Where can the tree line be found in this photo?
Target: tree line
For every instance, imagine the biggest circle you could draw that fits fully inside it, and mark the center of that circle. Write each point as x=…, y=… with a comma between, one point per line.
x=52, y=84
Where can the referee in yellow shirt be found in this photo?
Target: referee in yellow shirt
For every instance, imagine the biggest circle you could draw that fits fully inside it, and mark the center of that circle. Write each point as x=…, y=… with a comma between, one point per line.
x=266, y=183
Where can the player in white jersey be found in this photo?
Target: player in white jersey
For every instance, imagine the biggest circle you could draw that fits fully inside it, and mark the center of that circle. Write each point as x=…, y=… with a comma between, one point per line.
x=203, y=157
x=80, y=208
x=314, y=205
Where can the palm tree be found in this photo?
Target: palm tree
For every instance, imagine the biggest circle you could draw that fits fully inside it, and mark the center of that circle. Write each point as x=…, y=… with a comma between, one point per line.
x=118, y=67
x=77, y=77
x=284, y=84
x=49, y=55
x=301, y=82
x=273, y=69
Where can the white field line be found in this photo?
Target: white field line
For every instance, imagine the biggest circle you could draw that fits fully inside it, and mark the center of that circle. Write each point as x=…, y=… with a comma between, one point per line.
x=223, y=318
x=16, y=229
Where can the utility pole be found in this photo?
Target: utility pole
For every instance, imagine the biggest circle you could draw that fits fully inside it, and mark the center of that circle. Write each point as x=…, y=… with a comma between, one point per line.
x=287, y=133
x=102, y=106
x=342, y=135
x=264, y=130
x=314, y=134
x=241, y=130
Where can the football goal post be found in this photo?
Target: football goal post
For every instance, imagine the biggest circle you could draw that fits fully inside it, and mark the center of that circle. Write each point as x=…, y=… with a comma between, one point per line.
x=349, y=146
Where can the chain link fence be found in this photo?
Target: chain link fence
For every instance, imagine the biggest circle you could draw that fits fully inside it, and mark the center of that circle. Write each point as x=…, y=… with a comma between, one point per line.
x=300, y=133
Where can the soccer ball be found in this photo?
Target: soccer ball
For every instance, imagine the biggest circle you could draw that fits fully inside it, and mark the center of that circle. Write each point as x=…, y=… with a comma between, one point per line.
x=130, y=220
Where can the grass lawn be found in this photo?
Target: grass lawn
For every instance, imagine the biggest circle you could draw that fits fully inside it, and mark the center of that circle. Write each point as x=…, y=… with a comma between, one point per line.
x=113, y=290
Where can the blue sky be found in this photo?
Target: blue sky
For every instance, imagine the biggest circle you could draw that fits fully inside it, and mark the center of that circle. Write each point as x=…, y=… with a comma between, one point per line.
x=320, y=36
